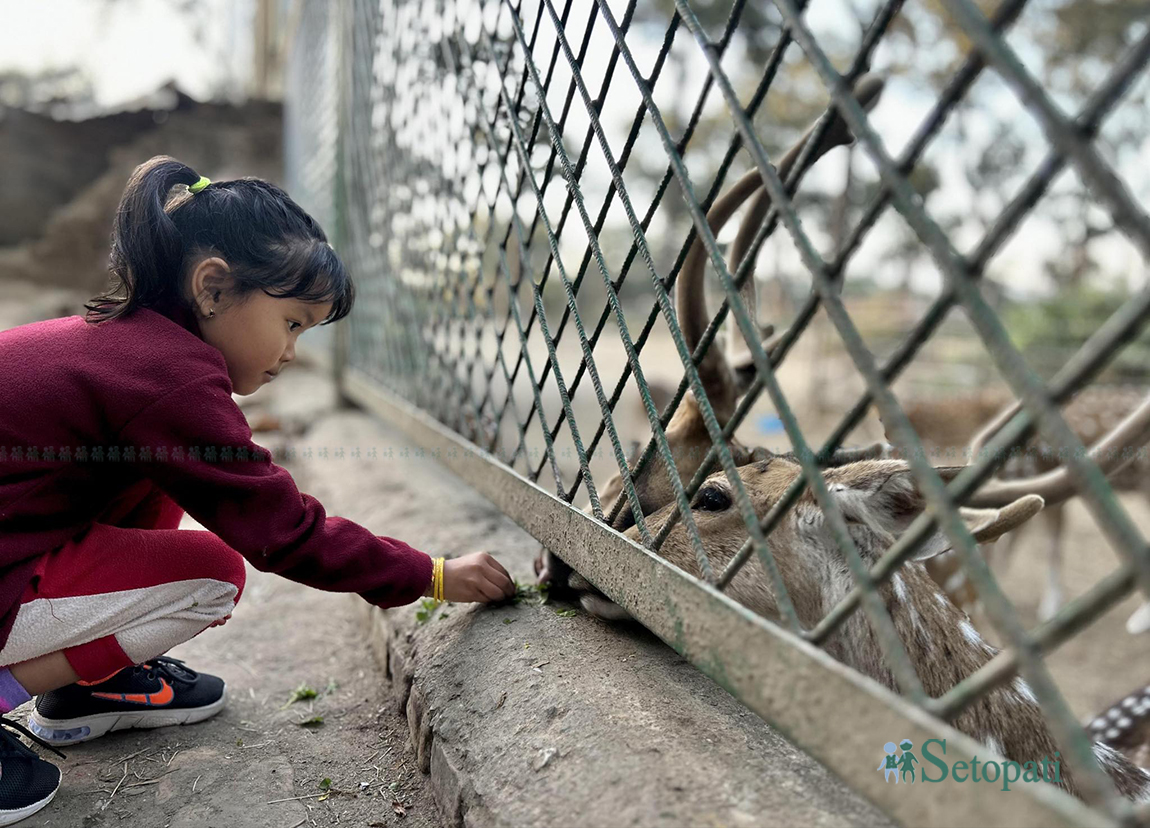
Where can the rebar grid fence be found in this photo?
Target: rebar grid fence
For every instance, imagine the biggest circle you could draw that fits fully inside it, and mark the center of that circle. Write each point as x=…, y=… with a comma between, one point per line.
x=494, y=172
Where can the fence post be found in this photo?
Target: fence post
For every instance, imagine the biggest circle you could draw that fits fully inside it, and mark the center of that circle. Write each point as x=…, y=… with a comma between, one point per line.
x=342, y=335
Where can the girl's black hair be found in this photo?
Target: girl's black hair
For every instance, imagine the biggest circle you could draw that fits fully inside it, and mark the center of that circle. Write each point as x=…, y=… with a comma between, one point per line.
x=268, y=241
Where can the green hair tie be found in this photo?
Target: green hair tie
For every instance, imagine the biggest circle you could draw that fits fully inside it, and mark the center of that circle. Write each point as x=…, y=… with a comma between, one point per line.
x=199, y=185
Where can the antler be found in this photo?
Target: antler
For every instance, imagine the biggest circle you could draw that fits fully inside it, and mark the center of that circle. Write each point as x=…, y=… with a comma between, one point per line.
x=1056, y=486
x=866, y=91
x=714, y=372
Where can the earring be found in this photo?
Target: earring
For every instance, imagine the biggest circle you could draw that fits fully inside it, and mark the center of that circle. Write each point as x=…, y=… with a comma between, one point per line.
x=211, y=312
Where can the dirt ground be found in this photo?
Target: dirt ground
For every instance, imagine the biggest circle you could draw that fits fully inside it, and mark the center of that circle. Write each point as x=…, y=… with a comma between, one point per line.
x=1102, y=663
x=255, y=764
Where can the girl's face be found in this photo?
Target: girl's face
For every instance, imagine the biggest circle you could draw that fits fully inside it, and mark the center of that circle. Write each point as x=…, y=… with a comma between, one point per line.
x=257, y=335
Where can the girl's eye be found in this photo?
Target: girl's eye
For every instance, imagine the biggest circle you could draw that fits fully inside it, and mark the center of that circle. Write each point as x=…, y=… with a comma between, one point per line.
x=295, y=323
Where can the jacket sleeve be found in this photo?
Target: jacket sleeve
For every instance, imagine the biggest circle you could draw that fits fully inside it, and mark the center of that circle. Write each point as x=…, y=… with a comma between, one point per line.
x=194, y=442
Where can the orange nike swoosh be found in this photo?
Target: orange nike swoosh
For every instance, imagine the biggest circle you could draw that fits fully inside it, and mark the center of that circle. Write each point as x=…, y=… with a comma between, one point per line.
x=158, y=699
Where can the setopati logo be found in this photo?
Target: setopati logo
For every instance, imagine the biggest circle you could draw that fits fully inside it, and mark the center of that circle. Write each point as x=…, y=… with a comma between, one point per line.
x=899, y=763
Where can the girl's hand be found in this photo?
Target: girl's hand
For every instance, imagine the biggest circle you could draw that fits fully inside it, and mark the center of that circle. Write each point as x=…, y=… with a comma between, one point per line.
x=476, y=577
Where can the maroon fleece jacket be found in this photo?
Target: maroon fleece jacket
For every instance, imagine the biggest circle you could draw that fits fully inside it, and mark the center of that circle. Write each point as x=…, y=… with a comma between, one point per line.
x=88, y=410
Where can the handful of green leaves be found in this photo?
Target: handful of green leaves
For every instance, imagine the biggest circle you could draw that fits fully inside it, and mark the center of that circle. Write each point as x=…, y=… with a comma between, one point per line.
x=534, y=595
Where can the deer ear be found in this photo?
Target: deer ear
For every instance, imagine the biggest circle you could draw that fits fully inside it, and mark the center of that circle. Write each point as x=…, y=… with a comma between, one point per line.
x=897, y=496
x=896, y=500
x=984, y=524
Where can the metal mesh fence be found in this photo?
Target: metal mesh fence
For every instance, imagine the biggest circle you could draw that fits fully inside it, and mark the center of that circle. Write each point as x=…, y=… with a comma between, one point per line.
x=515, y=186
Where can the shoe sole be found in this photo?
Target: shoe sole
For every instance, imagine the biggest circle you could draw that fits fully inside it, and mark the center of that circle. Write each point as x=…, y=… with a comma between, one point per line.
x=85, y=728
x=16, y=814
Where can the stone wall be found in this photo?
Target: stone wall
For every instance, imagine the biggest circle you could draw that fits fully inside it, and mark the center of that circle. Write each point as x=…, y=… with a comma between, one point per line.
x=63, y=179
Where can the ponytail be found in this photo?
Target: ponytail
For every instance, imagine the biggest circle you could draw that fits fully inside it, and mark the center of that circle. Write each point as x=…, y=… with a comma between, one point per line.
x=268, y=241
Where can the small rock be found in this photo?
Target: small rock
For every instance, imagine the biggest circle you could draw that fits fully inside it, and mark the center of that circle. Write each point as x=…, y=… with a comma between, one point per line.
x=544, y=757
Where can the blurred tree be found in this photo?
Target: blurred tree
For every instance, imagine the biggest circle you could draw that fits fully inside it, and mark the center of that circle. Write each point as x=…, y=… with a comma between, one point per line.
x=1049, y=330
x=1072, y=45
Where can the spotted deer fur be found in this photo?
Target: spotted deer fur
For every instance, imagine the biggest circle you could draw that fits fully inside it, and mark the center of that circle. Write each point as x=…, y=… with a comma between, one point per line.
x=1125, y=726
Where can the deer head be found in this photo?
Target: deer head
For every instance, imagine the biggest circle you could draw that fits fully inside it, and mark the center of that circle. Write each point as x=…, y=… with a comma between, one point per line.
x=686, y=431
x=878, y=499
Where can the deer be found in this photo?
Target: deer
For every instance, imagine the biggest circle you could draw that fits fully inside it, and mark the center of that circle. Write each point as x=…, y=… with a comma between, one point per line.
x=877, y=496
x=878, y=500
x=1091, y=414
x=723, y=384
x=726, y=377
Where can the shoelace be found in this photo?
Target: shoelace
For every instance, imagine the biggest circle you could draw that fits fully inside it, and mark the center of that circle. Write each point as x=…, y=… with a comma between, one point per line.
x=166, y=664
x=6, y=722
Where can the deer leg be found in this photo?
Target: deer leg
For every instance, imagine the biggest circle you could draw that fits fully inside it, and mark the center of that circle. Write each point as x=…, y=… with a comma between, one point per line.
x=1052, y=599
x=1139, y=620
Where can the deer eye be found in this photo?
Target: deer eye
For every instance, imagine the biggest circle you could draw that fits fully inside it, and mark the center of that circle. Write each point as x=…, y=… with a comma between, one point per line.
x=712, y=499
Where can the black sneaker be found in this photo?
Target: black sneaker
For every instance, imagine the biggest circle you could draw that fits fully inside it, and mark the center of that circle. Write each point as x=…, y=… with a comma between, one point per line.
x=158, y=693
x=27, y=782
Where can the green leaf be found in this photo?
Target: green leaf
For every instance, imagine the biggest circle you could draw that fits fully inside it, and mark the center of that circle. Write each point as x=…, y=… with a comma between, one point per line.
x=314, y=721
x=532, y=594
x=509, y=620
x=325, y=784
x=567, y=613
x=427, y=608
x=301, y=693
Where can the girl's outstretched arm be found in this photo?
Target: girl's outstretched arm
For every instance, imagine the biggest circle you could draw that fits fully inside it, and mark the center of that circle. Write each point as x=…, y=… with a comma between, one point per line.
x=230, y=485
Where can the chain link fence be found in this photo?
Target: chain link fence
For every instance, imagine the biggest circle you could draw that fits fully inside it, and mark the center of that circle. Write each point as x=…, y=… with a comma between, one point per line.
x=521, y=189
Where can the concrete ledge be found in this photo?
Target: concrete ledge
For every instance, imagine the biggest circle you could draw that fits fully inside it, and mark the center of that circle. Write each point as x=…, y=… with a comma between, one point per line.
x=523, y=717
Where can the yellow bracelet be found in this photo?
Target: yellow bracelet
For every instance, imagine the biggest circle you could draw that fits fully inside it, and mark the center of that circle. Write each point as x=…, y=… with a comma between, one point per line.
x=437, y=580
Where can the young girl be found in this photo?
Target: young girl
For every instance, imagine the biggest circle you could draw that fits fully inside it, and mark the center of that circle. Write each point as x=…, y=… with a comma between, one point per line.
x=113, y=424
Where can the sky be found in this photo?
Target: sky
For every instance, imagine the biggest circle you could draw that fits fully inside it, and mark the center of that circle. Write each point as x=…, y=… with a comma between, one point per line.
x=130, y=47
